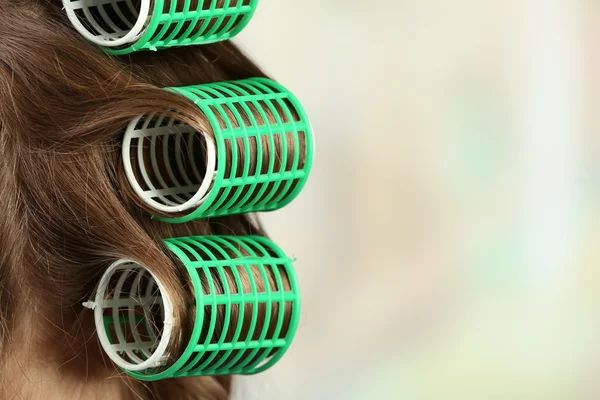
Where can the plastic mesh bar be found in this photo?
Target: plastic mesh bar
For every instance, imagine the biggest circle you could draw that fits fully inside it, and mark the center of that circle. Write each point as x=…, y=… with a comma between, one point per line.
x=246, y=312
x=258, y=159
x=125, y=26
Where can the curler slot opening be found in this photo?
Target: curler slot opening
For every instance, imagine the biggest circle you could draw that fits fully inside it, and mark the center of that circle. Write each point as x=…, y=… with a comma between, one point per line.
x=169, y=165
x=134, y=316
x=109, y=23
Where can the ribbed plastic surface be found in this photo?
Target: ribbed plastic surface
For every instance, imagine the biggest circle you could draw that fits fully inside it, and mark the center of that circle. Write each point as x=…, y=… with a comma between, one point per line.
x=264, y=152
x=125, y=26
x=246, y=314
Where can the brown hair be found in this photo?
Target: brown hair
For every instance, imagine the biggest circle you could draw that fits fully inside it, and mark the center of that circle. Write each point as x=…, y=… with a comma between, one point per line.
x=66, y=213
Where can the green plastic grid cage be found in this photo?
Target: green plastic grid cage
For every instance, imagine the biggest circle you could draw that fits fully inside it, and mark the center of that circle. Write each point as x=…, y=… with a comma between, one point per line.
x=239, y=281
x=126, y=26
x=259, y=158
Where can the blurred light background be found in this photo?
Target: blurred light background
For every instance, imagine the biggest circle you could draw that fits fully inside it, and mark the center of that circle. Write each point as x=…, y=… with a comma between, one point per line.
x=447, y=241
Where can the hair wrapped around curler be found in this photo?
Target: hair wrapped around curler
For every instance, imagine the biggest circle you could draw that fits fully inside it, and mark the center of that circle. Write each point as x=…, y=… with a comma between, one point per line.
x=126, y=26
x=255, y=154
x=243, y=310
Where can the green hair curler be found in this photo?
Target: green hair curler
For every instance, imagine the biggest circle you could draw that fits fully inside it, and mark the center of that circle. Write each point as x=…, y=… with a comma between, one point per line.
x=125, y=26
x=237, y=282
x=258, y=159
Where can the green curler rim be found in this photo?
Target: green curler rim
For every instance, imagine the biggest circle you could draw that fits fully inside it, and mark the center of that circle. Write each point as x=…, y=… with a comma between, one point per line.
x=242, y=115
x=122, y=27
x=207, y=260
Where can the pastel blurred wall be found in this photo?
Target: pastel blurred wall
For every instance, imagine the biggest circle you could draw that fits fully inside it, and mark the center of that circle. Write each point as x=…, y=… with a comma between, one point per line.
x=447, y=239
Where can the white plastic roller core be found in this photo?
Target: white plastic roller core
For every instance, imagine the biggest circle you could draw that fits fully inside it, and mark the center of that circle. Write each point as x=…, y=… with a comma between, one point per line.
x=132, y=295
x=161, y=158
x=109, y=23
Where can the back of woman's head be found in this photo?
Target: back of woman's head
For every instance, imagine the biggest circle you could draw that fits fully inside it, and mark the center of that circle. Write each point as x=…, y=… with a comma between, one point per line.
x=67, y=211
